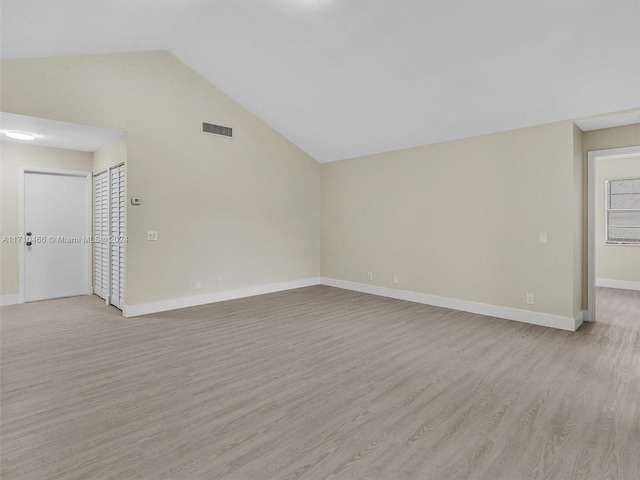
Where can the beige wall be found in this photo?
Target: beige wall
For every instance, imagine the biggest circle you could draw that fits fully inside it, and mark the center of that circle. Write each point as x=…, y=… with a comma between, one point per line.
x=461, y=219
x=626, y=136
x=245, y=210
x=13, y=156
x=111, y=154
x=614, y=262
x=458, y=219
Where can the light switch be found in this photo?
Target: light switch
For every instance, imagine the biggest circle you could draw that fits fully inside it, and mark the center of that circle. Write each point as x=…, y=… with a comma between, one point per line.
x=543, y=238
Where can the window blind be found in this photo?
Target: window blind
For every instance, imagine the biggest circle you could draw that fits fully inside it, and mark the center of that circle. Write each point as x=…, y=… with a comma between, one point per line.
x=623, y=211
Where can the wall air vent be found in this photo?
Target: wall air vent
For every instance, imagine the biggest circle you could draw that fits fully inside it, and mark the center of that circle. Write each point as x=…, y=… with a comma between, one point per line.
x=217, y=129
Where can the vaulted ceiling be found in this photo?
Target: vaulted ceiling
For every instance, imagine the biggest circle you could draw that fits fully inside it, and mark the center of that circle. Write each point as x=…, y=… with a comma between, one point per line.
x=344, y=78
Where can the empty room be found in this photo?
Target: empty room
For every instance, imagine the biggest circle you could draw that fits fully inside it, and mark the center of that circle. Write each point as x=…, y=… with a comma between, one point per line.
x=320, y=239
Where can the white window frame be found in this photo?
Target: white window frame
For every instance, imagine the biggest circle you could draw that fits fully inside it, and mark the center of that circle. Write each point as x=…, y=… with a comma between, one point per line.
x=608, y=209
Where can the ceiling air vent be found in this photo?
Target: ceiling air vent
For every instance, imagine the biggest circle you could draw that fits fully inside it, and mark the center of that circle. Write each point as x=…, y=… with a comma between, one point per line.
x=217, y=129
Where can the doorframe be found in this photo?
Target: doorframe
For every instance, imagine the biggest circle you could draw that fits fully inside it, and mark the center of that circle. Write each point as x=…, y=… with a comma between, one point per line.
x=592, y=157
x=88, y=176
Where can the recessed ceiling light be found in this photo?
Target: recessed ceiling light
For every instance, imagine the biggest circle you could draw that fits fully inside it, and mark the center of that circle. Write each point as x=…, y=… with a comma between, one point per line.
x=21, y=135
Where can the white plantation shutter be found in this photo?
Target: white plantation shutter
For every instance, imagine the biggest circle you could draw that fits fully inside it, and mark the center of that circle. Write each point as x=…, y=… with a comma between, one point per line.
x=101, y=230
x=109, y=208
x=117, y=228
x=123, y=211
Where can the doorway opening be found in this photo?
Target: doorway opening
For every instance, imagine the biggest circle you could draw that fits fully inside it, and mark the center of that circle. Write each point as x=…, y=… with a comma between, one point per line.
x=622, y=163
x=48, y=179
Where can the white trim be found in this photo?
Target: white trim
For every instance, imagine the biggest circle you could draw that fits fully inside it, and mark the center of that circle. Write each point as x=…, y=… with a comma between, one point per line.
x=184, y=302
x=89, y=253
x=623, y=284
x=526, y=316
x=21, y=173
x=88, y=176
x=10, y=300
x=591, y=219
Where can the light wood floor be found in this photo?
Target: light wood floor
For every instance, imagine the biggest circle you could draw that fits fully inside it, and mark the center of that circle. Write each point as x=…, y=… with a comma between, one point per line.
x=317, y=383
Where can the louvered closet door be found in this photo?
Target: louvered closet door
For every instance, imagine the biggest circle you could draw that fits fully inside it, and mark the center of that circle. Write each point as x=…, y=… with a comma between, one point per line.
x=117, y=218
x=101, y=231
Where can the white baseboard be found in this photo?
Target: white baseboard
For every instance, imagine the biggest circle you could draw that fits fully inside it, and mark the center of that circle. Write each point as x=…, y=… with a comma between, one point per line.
x=526, y=316
x=10, y=299
x=624, y=285
x=184, y=302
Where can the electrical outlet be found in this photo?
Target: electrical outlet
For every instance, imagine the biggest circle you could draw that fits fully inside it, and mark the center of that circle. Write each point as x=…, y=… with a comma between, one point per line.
x=152, y=236
x=198, y=284
x=396, y=280
x=531, y=299
x=369, y=276
x=220, y=282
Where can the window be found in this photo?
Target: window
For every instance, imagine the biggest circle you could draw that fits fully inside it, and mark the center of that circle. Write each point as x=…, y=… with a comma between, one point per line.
x=623, y=211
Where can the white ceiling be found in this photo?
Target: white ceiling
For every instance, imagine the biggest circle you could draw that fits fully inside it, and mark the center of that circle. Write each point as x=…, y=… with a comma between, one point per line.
x=51, y=133
x=343, y=78
x=609, y=121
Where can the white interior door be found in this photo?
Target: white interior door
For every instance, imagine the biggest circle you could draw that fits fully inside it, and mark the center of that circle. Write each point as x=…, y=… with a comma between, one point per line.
x=57, y=224
x=117, y=227
x=109, y=208
x=101, y=206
